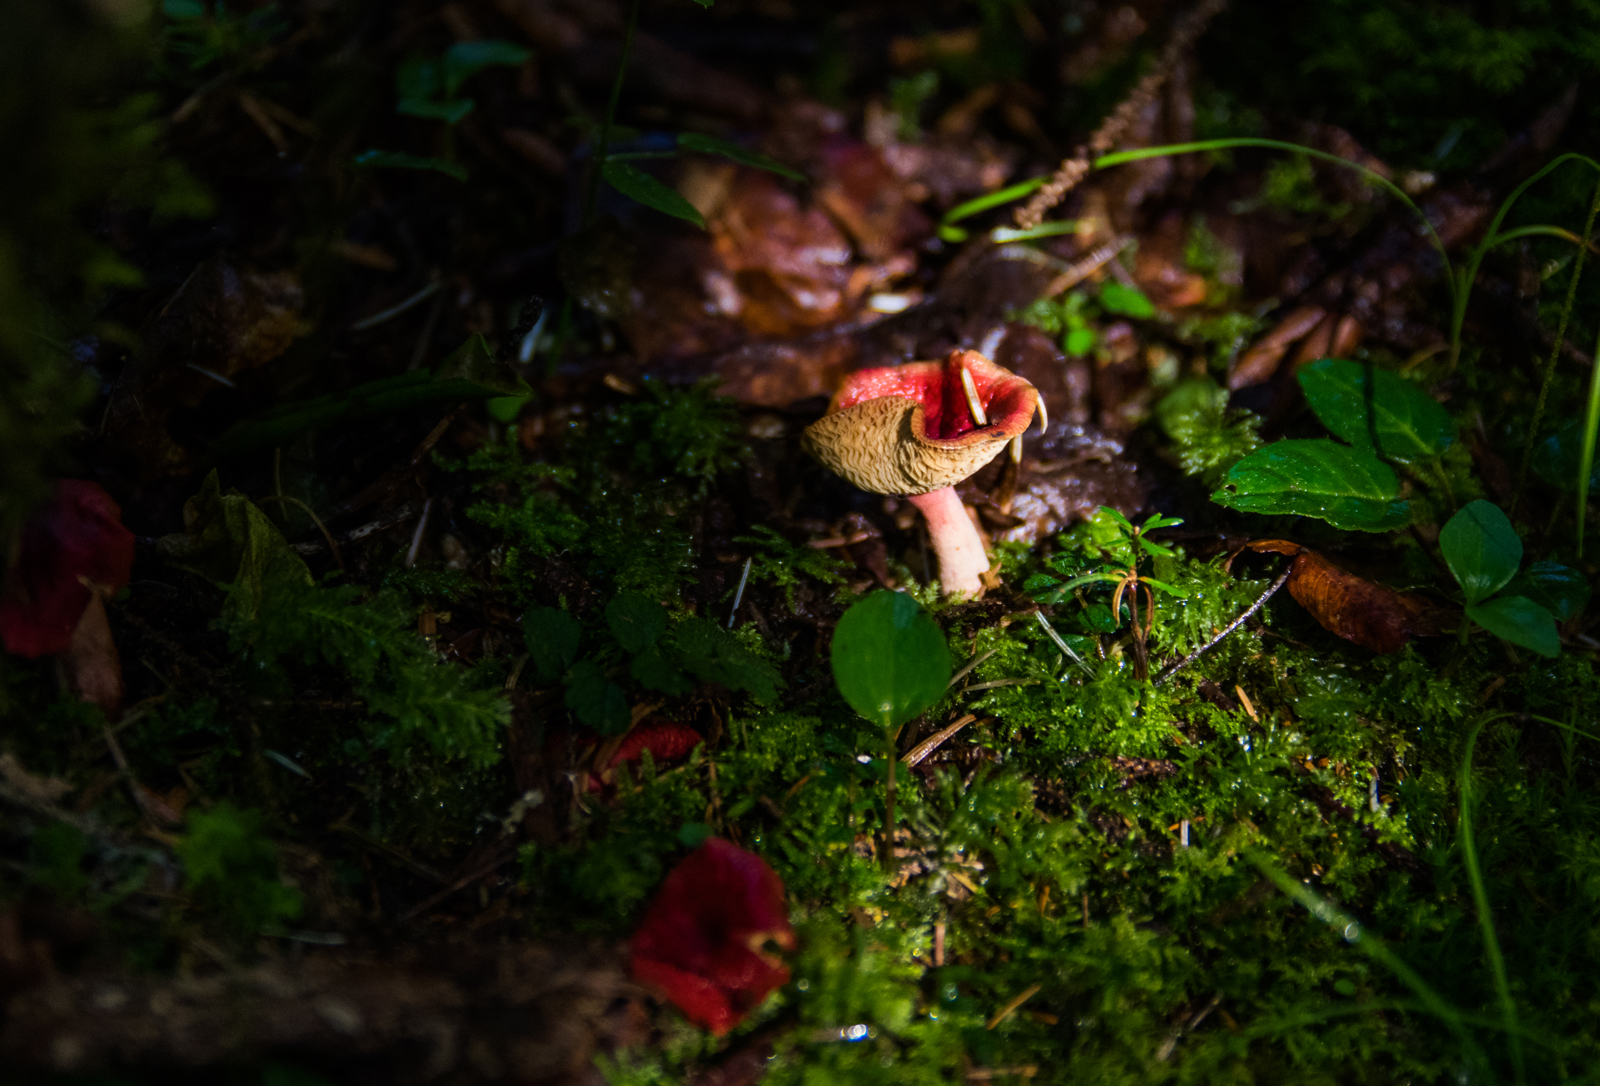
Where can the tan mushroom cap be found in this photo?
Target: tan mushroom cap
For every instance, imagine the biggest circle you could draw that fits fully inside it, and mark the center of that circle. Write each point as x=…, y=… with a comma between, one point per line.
x=907, y=429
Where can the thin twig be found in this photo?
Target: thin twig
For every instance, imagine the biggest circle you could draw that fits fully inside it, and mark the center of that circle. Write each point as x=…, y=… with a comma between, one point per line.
x=333, y=548
x=398, y=308
x=738, y=597
x=1082, y=269
x=919, y=753
x=127, y=776
x=1010, y=1008
x=1234, y=625
x=461, y=883
x=416, y=536
x=967, y=668
x=1111, y=131
x=1060, y=644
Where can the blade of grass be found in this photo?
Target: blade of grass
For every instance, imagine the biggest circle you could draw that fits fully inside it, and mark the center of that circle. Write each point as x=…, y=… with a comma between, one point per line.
x=1591, y=425
x=1117, y=158
x=1480, y=896
x=1492, y=237
x=1370, y=945
x=1561, y=336
x=602, y=145
x=992, y=199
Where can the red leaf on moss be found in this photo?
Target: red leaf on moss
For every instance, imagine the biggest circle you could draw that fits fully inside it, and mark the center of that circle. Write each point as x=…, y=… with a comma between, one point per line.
x=1353, y=607
x=75, y=542
x=702, y=942
x=666, y=740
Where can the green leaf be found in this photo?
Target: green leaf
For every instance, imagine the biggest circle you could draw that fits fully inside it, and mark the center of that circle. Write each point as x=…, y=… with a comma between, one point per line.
x=1481, y=549
x=399, y=160
x=183, y=10
x=418, y=78
x=1520, y=621
x=506, y=409
x=1559, y=589
x=694, y=834
x=466, y=58
x=637, y=621
x=450, y=112
x=475, y=364
x=711, y=145
x=1122, y=522
x=890, y=658
x=229, y=540
x=655, y=671
x=551, y=636
x=635, y=183
x=1362, y=403
x=714, y=655
x=1079, y=341
x=595, y=700
x=1555, y=459
x=1348, y=488
x=470, y=372
x=1127, y=301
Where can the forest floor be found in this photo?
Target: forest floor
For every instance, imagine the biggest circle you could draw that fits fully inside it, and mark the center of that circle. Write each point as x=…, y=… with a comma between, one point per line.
x=413, y=558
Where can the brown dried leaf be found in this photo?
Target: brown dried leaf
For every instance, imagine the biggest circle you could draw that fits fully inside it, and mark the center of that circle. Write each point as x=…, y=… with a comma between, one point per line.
x=1353, y=607
x=221, y=323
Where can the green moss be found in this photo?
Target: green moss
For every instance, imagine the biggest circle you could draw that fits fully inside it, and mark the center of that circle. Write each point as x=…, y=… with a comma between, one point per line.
x=231, y=869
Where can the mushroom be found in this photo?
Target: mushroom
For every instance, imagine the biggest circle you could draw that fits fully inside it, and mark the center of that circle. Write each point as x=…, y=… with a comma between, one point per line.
x=69, y=557
x=916, y=431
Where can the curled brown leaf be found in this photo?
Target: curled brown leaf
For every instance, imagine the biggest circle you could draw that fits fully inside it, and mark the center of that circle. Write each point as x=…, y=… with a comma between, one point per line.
x=1353, y=607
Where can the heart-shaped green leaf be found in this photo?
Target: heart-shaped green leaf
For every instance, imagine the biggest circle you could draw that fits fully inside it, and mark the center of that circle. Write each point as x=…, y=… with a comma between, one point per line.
x=1348, y=488
x=1481, y=549
x=634, y=182
x=551, y=636
x=595, y=700
x=1559, y=589
x=466, y=58
x=890, y=658
x=1373, y=408
x=637, y=621
x=1520, y=621
x=658, y=673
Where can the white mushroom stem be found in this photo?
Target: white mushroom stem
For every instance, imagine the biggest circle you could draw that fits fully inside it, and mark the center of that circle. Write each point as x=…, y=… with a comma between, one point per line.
x=955, y=541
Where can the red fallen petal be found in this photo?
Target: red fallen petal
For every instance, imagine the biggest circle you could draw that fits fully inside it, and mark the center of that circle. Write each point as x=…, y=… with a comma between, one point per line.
x=701, y=1001
x=1008, y=401
x=666, y=740
x=78, y=537
x=700, y=939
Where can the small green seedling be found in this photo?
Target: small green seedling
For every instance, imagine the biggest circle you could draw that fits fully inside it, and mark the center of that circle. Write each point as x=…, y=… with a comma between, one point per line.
x=1125, y=547
x=891, y=662
x=1072, y=316
x=1483, y=551
x=430, y=88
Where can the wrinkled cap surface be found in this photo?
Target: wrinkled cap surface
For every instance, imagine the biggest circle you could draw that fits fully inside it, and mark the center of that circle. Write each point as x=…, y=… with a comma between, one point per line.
x=910, y=430
x=702, y=941
x=72, y=543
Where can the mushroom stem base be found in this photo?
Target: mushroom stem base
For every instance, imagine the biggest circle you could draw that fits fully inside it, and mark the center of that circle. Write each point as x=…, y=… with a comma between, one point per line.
x=955, y=540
